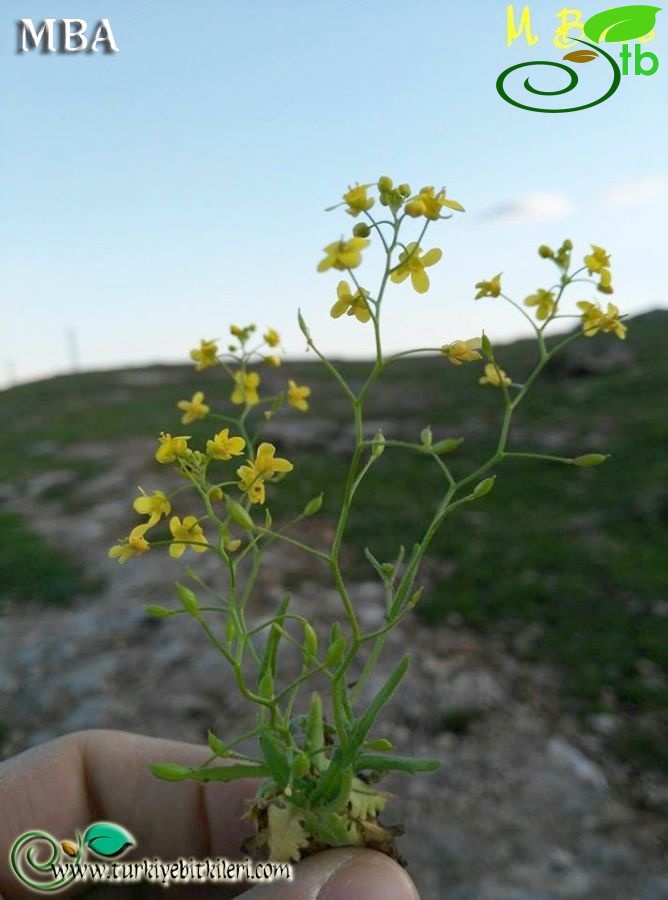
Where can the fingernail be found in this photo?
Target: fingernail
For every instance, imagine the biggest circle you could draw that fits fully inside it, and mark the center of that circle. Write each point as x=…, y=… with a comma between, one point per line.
x=369, y=876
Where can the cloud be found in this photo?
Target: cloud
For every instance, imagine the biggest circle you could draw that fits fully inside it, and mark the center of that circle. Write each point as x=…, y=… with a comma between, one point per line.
x=535, y=207
x=637, y=192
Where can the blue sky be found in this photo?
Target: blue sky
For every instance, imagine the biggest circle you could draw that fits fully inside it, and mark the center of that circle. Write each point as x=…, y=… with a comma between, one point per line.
x=151, y=197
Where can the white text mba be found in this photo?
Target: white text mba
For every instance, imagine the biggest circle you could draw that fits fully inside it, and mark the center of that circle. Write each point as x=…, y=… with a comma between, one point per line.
x=74, y=36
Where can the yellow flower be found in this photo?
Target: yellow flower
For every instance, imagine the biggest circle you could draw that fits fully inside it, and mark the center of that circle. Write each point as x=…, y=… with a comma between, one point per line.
x=155, y=507
x=462, y=351
x=544, y=301
x=134, y=545
x=184, y=533
x=273, y=361
x=357, y=199
x=246, y=388
x=490, y=288
x=429, y=204
x=225, y=447
x=343, y=254
x=597, y=260
x=193, y=409
x=251, y=483
x=494, y=376
x=412, y=263
x=297, y=395
x=351, y=304
x=272, y=337
x=206, y=355
x=605, y=282
x=171, y=447
x=265, y=466
x=595, y=320
x=598, y=263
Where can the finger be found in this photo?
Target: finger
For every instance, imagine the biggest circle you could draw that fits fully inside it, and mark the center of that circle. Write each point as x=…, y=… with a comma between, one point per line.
x=346, y=874
x=62, y=786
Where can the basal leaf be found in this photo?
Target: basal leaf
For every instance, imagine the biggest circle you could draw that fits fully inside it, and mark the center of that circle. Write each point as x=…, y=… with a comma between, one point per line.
x=623, y=23
x=107, y=839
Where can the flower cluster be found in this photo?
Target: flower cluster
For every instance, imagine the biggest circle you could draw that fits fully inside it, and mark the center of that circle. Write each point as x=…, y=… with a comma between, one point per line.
x=248, y=480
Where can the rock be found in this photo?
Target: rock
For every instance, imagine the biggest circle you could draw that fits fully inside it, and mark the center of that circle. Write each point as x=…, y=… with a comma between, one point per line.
x=568, y=757
x=655, y=888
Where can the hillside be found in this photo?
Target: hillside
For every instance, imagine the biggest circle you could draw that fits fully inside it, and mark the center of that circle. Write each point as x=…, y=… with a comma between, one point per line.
x=540, y=647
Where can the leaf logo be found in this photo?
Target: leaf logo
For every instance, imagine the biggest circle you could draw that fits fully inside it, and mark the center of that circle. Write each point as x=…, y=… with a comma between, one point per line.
x=107, y=839
x=623, y=23
x=581, y=56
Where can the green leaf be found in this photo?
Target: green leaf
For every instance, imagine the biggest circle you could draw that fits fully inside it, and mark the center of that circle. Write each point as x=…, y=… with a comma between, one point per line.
x=386, y=763
x=170, y=771
x=339, y=793
x=623, y=23
x=229, y=773
x=331, y=828
x=107, y=839
x=275, y=758
x=366, y=721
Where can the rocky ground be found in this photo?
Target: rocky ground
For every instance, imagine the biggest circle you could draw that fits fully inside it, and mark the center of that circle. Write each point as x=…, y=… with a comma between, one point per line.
x=526, y=807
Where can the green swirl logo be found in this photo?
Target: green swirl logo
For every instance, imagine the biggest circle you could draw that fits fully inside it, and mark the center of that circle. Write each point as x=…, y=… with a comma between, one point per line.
x=623, y=23
x=55, y=869
x=573, y=82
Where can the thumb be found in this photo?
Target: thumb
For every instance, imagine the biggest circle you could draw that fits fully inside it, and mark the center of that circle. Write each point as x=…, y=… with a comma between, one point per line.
x=346, y=874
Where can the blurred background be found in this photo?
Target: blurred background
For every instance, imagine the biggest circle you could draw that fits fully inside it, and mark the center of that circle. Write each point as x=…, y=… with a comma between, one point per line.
x=152, y=197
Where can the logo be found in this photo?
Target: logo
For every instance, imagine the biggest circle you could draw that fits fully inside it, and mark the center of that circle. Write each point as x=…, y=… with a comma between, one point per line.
x=74, y=36
x=612, y=26
x=53, y=873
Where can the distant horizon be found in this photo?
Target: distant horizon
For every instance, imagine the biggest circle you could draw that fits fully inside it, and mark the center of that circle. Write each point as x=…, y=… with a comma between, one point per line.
x=308, y=358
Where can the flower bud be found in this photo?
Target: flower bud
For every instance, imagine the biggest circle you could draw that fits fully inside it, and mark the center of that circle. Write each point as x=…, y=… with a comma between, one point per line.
x=404, y=190
x=313, y=506
x=385, y=183
x=426, y=437
x=378, y=445
x=590, y=459
x=216, y=494
x=414, y=208
x=189, y=601
x=545, y=251
x=485, y=486
x=239, y=515
x=361, y=230
x=158, y=612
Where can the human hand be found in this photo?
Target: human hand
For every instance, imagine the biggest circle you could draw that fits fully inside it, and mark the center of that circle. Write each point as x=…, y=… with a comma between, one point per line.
x=97, y=775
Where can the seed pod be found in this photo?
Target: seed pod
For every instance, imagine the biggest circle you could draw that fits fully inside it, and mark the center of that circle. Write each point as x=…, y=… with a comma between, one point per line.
x=590, y=459
x=485, y=486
